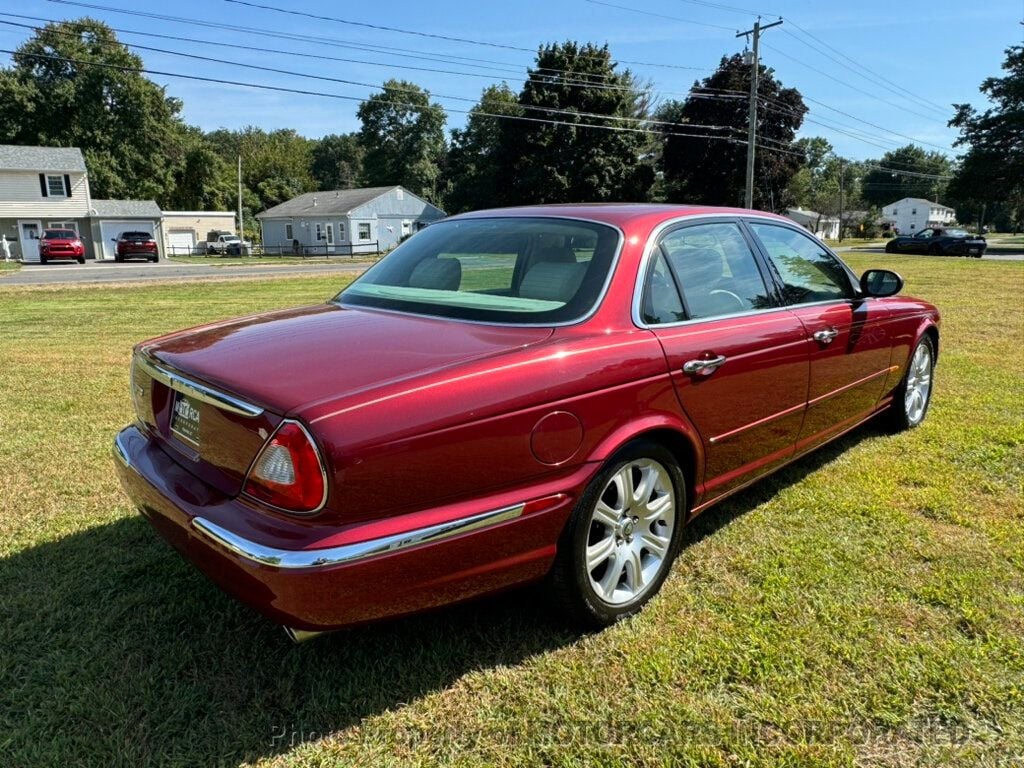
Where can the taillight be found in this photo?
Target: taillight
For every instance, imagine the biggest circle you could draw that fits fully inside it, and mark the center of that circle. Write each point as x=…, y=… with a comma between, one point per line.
x=288, y=473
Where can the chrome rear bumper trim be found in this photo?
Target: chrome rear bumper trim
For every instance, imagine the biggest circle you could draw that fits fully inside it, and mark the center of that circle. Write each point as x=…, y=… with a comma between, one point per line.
x=349, y=553
x=200, y=392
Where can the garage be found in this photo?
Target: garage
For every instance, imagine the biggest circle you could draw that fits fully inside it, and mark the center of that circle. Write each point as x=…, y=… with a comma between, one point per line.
x=110, y=230
x=180, y=242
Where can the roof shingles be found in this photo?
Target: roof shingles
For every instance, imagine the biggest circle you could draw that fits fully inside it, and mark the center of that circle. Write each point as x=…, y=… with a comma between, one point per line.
x=18, y=158
x=332, y=203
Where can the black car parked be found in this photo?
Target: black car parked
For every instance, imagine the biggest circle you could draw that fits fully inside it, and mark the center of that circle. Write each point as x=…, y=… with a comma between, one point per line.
x=939, y=242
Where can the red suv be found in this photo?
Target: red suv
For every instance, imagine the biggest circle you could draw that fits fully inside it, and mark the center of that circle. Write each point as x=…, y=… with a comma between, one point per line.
x=61, y=244
x=132, y=245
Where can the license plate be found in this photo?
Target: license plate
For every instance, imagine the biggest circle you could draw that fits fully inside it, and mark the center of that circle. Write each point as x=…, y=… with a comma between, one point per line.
x=185, y=419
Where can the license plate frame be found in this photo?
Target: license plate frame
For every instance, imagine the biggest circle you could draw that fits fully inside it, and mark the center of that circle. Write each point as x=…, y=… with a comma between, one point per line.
x=186, y=419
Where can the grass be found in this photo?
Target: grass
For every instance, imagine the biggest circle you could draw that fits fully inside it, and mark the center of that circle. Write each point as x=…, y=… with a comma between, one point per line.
x=862, y=607
x=8, y=267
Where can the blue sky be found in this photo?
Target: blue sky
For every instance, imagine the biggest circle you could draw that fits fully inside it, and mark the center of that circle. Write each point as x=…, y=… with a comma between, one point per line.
x=928, y=52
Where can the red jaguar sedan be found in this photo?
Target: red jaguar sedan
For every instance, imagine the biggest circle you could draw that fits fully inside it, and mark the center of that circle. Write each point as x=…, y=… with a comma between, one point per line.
x=512, y=396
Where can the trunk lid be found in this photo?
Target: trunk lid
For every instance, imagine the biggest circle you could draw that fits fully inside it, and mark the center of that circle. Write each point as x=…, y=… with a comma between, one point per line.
x=274, y=364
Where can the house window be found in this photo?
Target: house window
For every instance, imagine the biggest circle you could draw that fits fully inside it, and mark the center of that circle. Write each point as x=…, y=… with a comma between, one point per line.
x=895, y=212
x=913, y=211
x=341, y=231
x=289, y=233
x=63, y=225
x=319, y=233
x=364, y=231
x=55, y=186
x=400, y=193
x=406, y=228
x=330, y=234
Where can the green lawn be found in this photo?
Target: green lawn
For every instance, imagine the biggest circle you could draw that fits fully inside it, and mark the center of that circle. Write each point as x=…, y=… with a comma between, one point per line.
x=8, y=267
x=862, y=607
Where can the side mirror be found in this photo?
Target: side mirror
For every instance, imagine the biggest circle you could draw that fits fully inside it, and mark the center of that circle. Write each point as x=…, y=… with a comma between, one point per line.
x=880, y=283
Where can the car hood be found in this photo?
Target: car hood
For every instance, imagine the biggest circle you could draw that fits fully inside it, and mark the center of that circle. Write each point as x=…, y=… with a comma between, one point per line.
x=293, y=358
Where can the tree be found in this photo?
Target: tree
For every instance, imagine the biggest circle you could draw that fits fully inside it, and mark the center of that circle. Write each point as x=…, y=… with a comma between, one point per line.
x=202, y=180
x=827, y=184
x=562, y=161
x=473, y=170
x=905, y=172
x=403, y=138
x=72, y=85
x=991, y=173
x=710, y=167
x=338, y=161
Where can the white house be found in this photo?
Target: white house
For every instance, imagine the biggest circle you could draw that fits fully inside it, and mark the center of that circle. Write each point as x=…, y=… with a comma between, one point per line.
x=815, y=223
x=912, y=214
x=346, y=221
x=42, y=188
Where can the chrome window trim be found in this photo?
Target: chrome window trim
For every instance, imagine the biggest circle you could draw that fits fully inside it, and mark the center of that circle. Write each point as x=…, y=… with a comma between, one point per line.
x=319, y=461
x=289, y=559
x=200, y=392
x=598, y=302
x=651, y=244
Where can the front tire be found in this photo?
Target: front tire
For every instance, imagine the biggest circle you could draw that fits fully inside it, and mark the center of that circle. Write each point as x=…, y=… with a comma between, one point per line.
x=622, y=537
x=890, y=247
x=914, y=394
x=80, y=259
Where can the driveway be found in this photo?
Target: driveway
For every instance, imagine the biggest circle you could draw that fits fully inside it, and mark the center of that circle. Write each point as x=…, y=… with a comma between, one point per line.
x=141, y=272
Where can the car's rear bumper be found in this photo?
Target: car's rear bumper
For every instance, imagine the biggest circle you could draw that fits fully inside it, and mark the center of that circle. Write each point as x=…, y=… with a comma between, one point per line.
x=360, y=572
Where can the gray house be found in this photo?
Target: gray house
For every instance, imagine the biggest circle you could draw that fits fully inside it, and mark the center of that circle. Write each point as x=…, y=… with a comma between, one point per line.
x=346, y=221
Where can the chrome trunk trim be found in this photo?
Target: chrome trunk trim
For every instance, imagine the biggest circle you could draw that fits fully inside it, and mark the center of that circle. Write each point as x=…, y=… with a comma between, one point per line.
x=291, y=559
x=194, y=389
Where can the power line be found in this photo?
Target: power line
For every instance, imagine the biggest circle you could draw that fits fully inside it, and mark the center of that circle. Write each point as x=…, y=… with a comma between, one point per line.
x=650, y=13
x=345, y=97
x=849, y=85
x=399, y=30
x=376, y=86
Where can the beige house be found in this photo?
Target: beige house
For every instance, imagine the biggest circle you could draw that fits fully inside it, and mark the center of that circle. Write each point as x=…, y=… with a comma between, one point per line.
x=184, y=232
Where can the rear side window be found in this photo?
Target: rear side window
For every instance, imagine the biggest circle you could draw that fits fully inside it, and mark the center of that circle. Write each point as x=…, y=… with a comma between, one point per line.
x=715, y=270
x=809, y=273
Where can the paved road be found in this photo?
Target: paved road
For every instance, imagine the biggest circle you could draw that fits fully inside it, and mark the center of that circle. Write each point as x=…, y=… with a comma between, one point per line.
x=880, y=249
x=140, y=272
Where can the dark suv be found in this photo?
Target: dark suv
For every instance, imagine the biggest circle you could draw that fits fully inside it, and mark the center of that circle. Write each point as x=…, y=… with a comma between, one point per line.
x=136, y=245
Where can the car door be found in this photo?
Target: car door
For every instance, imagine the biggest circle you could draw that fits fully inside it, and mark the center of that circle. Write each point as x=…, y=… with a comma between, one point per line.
x=738, y=360
x=848, y=336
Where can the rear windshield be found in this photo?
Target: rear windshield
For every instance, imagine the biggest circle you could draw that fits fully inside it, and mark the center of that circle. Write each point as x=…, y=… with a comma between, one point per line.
x=502, y=269
x=60, y=234
x=136, y=236
x=957, y=233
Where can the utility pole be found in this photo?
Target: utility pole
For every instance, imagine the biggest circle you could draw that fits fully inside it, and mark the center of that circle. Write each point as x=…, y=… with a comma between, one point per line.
x=752, y=126
x=241, y=230
x=840, y=199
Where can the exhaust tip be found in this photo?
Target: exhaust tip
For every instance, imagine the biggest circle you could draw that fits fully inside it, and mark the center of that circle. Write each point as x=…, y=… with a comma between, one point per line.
x=298, y=636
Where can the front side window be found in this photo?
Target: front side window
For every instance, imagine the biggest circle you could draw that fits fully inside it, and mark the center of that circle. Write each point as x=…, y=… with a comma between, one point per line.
x=55, y=186
x=809, y=273
x=504, y=269
x=715, y=270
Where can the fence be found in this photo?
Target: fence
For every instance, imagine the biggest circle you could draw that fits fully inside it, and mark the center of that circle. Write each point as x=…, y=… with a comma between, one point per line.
x=299, y=251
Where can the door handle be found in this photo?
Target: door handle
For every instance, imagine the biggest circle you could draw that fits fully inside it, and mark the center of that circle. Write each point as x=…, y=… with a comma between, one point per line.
x=825, y=335
x=703, y=367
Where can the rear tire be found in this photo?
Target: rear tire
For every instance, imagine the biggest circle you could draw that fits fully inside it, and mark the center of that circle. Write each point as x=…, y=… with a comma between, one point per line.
x=154, y=259
x=914, y=394
x=623, y=535
x=934, y=250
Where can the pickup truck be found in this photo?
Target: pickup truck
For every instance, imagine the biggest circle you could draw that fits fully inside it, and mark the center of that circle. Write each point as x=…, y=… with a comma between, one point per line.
x=225, y=243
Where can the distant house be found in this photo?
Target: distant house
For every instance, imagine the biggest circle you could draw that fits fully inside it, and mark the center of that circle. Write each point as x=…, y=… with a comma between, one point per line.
x=815, y=223
x=347, y=220
x=48, y=188
x=112, y=217
x=185, y=232
x=912, y=214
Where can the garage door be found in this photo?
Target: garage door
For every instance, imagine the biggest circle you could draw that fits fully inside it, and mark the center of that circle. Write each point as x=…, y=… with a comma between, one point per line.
x=181, y=242
x=109, y=231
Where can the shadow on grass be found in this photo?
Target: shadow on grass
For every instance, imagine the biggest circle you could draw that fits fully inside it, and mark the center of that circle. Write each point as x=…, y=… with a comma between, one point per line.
x=114, y=651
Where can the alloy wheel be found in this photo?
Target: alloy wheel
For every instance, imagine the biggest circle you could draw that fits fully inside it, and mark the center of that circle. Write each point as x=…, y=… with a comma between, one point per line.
x=919, y=384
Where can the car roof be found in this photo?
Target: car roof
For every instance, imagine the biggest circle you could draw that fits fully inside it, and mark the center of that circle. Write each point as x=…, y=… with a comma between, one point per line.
x=618, y=214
